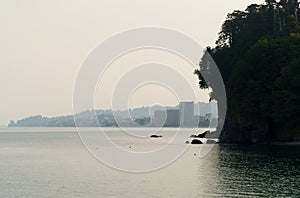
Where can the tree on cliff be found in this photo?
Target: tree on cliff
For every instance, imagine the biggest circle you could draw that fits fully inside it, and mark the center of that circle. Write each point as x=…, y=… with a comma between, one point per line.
x=258, y=55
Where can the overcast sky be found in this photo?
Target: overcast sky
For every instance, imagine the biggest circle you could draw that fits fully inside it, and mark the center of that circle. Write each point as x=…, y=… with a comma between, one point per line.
x=43, y=43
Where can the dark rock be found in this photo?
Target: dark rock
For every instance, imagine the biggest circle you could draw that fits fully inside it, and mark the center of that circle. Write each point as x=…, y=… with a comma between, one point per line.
x=202, y=135
x=196, y=141
x=156, y=136
x=187, y=142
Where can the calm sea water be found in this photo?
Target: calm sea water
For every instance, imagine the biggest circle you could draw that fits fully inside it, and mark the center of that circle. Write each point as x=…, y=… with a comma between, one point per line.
x=52, y=162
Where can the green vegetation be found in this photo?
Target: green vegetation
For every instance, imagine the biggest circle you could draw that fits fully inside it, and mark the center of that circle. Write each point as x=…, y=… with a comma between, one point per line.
x=258, y=55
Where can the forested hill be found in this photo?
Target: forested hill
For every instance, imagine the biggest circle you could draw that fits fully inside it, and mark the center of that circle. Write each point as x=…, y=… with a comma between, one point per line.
x=258, y=55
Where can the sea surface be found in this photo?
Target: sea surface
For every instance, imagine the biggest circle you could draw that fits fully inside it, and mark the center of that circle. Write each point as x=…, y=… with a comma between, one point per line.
x=53, y=162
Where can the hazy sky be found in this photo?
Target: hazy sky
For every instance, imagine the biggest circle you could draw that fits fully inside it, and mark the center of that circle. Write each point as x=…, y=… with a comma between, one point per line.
x=43, y=43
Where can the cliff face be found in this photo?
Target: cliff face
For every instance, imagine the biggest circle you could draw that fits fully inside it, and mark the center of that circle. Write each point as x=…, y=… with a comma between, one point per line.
x=288, y=134
x=257, y=134
x=246, y=133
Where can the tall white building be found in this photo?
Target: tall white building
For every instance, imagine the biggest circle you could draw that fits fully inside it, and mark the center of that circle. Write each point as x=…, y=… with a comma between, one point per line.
x=186, y=113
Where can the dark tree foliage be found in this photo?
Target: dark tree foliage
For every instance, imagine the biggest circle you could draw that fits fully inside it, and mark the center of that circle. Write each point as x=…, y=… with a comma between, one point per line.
x=258, y=55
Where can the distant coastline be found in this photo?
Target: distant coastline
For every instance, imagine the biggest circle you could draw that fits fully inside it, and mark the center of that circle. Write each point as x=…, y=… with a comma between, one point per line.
x=138, y=117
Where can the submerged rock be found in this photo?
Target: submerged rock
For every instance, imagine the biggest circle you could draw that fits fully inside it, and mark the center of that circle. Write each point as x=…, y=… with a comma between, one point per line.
x=211, y=142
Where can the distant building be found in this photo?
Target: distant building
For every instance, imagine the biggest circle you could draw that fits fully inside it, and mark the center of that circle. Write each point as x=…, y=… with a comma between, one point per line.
x=186, y=112
x=159, y=119
x=173, y=118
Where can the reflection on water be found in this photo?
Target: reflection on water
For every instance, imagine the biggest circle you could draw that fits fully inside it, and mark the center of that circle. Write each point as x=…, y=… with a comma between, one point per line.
x=259, y=170
x=47, y=164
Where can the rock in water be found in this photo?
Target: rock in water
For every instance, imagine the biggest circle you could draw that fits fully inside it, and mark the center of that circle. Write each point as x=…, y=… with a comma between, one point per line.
x=211, y=142
x=202, y=135
x=195, y=141
x=156, y=136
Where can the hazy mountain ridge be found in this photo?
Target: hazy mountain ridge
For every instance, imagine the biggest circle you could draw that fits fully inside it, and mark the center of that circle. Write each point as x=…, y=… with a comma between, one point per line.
x=107, y=118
